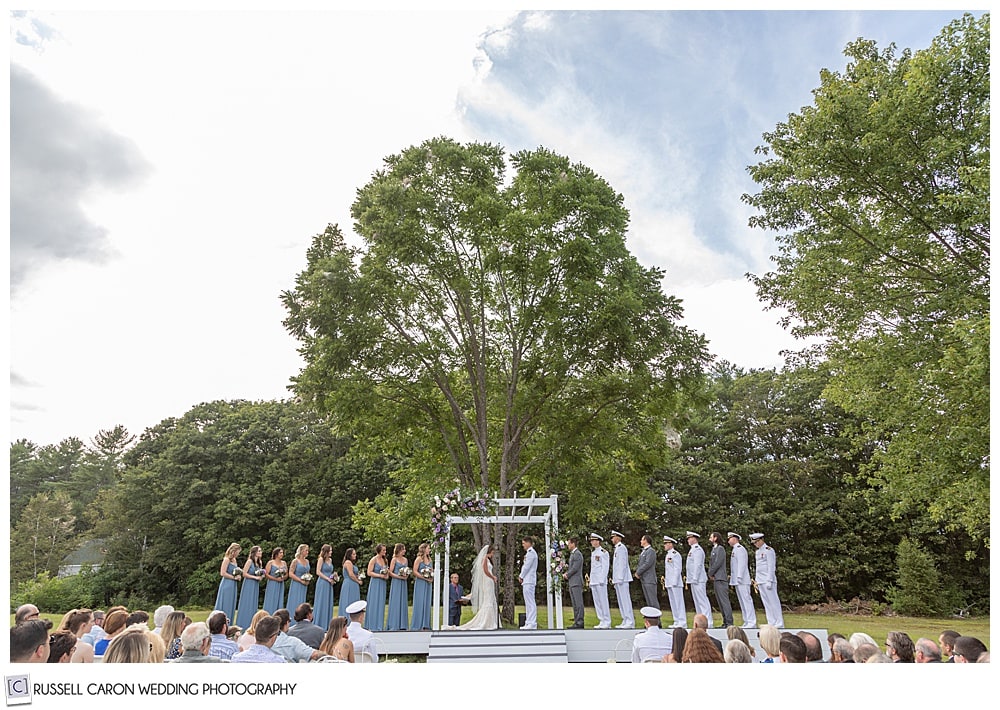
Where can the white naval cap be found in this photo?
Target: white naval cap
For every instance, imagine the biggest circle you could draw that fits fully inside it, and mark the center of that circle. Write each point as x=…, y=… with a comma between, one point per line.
x=732, y=534
x=756, y=536
x=650, y=612
x=615, y=532
x=595, y=536
x=667, y=538
x=355, y=607
x=692, y=534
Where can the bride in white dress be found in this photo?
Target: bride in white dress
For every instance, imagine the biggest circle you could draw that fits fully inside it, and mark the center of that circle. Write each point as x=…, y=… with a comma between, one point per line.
x=483, y=595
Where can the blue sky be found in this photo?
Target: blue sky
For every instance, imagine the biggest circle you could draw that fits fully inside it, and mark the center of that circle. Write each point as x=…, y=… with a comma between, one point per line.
x=169, y=169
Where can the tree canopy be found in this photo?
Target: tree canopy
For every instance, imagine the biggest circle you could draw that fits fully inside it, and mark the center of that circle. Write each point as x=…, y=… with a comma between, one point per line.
x=879, y=193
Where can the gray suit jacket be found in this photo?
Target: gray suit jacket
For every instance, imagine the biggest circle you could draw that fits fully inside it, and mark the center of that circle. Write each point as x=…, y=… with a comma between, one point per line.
x=717, y=564
x=647, y=564
x=574, y=575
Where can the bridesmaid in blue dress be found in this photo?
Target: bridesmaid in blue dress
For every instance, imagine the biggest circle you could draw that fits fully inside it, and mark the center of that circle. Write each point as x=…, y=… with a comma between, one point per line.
x=378, y=573
x=423, y=585
x=298, y=585
x=350, y=590
x=229, y=570
x=323, y=603
x=399, y=616
x=253, y=572
x=276, y=571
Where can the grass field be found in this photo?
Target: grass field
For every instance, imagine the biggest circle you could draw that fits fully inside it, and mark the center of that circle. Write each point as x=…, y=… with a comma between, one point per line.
x=875, y=626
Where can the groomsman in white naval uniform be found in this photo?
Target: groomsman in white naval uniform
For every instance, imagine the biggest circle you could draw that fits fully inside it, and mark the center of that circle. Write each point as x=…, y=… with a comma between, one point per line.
x=527, y=577
x=621, y=574
x=673, y=581
x=697, y=579
x=599, y=564
x=739, y=577
x=767, y=581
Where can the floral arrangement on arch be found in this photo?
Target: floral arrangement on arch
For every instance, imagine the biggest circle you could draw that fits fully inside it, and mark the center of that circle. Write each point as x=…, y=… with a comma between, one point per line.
x=452, y=503
x=557, y=561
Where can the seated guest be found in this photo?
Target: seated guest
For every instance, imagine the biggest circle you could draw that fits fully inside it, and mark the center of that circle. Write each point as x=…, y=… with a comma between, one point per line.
x=947, y=641
x=769, y=638
x=304, y=628
x=926, y=651
x=700, y=649
x=26, y=612
x=130, y=646
x=97, y=631
x=248, y=639
x=879, y=657
x=196, y=640
x=29, y=642
x=737, y=652
x=792, y=649
x=843, y=651
x=160, y=616
x=336, y=645
x=114, y=624
x=899, y=647
x=701, y=622
x=737, y=632
x=290, y=648
x=814, y=649
x=222, y=647
x=968, y=649
x=364, y=640
x=137, y=617
x=157, y=647
x=865, y=651
x=654, y=642
x=861, y=637
x=267, y=630
x=680, y=636
x=831, y=639
x=62, y=646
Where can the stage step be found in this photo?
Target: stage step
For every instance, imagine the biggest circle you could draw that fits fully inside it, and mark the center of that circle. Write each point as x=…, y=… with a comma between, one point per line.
x=536, y=646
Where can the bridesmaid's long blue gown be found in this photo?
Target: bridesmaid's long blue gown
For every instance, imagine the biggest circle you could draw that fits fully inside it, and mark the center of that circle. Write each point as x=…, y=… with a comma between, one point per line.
x=350, y=591
x=323, y=604
x=225, y=598
x=398, y=612
x=296, y=590
x=274, y=594
x=375, y=611
x=422, y=592
x=249, y=599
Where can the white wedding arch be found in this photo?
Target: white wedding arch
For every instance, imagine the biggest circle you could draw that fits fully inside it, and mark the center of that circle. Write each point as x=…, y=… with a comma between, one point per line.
x=533, y=510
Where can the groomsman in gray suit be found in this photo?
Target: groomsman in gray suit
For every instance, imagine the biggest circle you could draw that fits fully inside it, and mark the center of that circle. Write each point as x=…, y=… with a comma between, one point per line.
x=621, y=575
x=599, y=566
x=673, y=580
x=696, y=577
x=720, y=579
x=646, y=572
x=574, y=579
x=527, y=578
x=739, y=577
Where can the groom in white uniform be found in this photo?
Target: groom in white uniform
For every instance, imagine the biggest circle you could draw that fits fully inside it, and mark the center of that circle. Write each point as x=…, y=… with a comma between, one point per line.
x=599, y=582
x=621, y=573
x=527, y=578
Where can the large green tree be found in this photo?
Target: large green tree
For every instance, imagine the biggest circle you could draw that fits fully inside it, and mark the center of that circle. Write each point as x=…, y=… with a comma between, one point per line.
x=494, y=330
x=879, y=193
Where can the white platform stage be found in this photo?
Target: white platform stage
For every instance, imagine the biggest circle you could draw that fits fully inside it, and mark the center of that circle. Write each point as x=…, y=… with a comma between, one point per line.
x=536, y=646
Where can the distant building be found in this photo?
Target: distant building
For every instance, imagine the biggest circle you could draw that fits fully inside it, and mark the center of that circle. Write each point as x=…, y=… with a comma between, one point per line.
x=89, y=554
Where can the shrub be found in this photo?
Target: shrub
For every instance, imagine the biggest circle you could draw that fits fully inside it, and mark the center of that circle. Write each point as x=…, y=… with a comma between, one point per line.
x=918, y=585
x=56, y=594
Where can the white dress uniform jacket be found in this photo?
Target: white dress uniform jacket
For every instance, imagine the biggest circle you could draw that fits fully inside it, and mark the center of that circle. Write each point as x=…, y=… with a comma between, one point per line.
x=654, y=642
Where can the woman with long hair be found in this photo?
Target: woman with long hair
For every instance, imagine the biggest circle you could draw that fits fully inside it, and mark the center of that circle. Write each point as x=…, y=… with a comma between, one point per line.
x=737, y=633
x=769, y=638
x=173, y=626
x=130, y=646
x=399, y=614
x=350, y=588
x=483, y=597
x=423, y=587
x=323, y=602
x=700, y=649
x=298, y=582
x=79, y=622
x=336, y=643
x=62, y=646
x=677, y=646
x=114, y=624
x=253, y=573
x=229, y=570
x=275, y=571
x=378, y=573
x=249, y=637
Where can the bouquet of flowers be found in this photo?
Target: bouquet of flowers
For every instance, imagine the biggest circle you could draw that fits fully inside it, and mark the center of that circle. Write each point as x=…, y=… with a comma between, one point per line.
x=334, y=578
x=427, y=572
x=258, y=571
x=405, y=572
x=278, y=572
x=237, y=574
x=306, y=578
x=361, y=576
